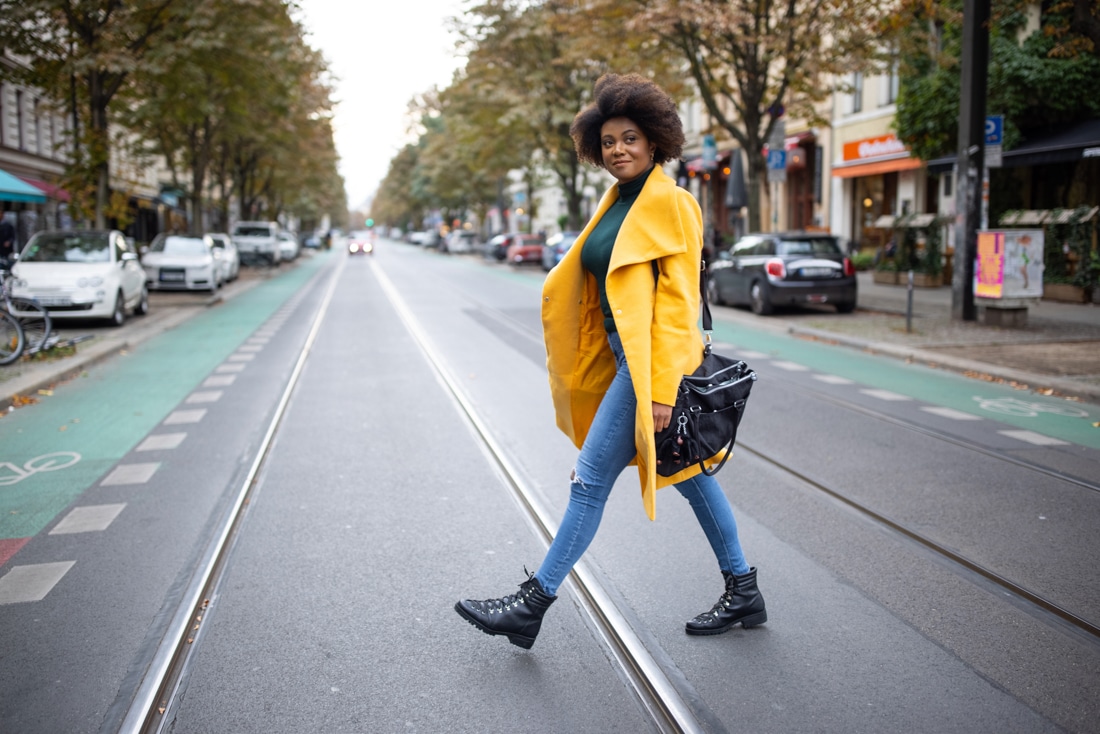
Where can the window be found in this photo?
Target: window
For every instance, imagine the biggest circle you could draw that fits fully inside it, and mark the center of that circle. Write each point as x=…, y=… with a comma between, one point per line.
x=947, y=183
x=890, y=84
x=857, y=92
x=20, y=142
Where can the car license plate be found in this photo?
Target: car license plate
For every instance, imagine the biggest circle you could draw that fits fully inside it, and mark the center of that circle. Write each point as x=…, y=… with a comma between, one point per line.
x=817, y=272
x=53, y=301
x=174, y=276
x=817, y=298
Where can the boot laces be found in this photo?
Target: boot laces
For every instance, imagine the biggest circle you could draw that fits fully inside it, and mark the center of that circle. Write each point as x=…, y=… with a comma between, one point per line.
x=504, y=603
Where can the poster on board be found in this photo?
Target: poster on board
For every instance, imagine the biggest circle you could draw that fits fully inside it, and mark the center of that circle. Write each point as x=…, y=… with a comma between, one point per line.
x=1009, y=264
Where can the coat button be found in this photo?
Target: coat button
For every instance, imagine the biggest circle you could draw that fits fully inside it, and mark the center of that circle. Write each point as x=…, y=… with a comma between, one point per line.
x=619, y=311
x=546, y=298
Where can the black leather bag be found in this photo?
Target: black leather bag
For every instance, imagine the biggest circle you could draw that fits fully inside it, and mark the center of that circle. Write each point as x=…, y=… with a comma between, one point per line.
x=708, y=410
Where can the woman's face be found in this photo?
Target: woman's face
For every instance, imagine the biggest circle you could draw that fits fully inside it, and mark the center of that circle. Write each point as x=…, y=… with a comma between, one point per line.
x=627, y=152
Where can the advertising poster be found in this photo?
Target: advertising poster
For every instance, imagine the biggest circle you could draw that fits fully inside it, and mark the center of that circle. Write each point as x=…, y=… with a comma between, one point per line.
x=1009, y=264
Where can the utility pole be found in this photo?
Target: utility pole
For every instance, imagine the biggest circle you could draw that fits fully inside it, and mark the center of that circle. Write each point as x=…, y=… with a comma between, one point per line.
x=971, y=157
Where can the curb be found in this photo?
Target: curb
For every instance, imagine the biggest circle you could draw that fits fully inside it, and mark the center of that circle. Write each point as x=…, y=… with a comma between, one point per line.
x=1032, y=380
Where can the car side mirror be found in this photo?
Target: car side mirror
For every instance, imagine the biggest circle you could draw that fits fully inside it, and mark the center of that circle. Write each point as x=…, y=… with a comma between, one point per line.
x=128, y=256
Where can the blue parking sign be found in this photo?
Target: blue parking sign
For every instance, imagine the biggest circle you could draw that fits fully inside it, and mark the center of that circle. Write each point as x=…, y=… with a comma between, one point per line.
x=994, y=129
x=777, y=160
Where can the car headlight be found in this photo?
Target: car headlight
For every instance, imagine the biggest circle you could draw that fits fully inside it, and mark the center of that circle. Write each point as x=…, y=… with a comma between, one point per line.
x=93, y=282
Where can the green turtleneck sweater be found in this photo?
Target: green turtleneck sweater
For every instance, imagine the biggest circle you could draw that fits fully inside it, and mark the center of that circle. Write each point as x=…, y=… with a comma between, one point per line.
x=596, y=255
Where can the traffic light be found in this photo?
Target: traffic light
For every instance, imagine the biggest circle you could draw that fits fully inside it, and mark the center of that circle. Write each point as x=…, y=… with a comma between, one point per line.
x=370, y=222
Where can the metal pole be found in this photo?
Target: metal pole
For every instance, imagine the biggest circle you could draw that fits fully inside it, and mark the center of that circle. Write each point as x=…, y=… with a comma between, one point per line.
x=971, y=158
x=909, y=305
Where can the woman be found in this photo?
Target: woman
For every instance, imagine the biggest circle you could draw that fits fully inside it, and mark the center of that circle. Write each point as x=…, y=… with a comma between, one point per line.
x=619, y=316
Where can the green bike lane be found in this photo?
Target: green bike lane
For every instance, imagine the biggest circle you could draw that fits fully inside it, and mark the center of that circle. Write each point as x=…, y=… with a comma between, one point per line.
x=53, y=451
x=1047, y=415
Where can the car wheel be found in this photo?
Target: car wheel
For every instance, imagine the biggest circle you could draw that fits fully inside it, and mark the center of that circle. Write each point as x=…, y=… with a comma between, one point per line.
x=118, y=315
x=758, y=299
x=846, y=307
x=142, y=306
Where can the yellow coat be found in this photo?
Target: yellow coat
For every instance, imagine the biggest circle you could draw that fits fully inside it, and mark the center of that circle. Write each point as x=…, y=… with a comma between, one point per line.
x=657, y=325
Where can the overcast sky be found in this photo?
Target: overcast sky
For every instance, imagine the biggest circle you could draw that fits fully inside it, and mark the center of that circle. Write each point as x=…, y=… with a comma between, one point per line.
x=382, y=53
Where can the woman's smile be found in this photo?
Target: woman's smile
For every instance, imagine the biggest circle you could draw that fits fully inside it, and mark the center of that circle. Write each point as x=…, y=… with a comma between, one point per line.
x=627, y=152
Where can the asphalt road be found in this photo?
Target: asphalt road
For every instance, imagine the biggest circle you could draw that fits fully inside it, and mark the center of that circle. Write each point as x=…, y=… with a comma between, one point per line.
x=378, y=508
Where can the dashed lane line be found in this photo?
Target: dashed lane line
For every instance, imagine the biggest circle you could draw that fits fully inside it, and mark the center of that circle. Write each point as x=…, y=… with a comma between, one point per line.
x=885, y=395
x=88, y=519
x=951, y=413
x=219, y=381
x=179, y=417
x=1036, y=439
x=32, y=583
x=206, y=396
x=130, y=474
x=161, y=442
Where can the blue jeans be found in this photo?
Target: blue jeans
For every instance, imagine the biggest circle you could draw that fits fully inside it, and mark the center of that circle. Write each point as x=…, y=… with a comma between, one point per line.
x=607, y=450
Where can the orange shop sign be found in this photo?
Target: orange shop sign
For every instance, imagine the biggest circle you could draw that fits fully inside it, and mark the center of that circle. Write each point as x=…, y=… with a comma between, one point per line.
x=884, y=146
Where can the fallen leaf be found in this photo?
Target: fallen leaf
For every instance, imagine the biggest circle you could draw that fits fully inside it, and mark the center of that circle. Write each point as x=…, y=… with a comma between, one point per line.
x=1096, y=424
x=47, y=393
x=63, y=428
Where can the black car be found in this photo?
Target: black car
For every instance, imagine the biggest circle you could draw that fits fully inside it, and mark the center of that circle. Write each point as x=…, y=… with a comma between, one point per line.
x=765, y=271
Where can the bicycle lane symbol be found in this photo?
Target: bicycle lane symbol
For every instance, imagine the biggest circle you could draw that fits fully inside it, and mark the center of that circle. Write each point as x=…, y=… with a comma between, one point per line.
x=1027, y=409
x=13, y=474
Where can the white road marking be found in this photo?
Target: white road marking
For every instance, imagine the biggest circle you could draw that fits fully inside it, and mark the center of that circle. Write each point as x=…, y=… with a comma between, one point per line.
x=241, y=357
x=31, y=583
x=885, y=395
x=747, y=354
x=230, y=367
x=790, y=366
x=250, y=348
x=1032, y=437
x=130, y=474
x=219, y=381
x=177, y=417
x=834, y=379
x=161, y=441
x=87, y=519
x=209, y=396
x=955, y=415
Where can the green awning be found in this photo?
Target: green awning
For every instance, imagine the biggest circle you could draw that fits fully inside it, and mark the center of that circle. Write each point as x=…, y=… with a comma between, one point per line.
x=15, y=189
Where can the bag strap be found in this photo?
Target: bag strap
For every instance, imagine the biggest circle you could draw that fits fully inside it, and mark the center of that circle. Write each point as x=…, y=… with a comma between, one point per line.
x=708, y=325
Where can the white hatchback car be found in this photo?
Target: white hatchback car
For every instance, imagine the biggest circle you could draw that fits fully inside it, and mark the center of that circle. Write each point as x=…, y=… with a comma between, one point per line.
x=83, y=274
x=182, y=262
x=230, y=258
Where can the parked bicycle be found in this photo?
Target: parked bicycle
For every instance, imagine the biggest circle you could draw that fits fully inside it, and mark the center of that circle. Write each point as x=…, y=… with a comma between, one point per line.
x=32, y=316
x=11, y=338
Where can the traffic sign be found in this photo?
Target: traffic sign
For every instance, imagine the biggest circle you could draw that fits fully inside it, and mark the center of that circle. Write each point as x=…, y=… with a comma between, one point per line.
x=994, y=137
x=777, y=165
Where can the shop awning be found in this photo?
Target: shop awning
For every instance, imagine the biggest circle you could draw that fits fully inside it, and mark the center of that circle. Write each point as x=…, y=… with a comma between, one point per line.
x=13, y=188
x=875, y=167
x=1081, y=140
x=51, y=190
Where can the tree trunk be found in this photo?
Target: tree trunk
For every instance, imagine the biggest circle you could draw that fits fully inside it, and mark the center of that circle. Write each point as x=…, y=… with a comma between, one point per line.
x=98, y=158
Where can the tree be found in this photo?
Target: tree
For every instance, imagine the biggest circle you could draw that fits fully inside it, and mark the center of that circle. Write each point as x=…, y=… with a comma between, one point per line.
x=1043, y=79
x=86, y=52
x=755, y=60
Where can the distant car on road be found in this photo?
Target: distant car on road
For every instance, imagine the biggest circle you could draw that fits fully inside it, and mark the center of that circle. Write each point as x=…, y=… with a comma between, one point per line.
x=766, y=271
x=556, y=246
x=182, y=263
x=361, y=242
x=526, y=248
x=82, y=274
x=460, y=241
x=288, y=246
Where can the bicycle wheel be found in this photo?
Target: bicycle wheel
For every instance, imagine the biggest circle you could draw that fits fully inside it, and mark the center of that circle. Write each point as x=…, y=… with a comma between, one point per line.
x=35, y=321
x=11, y=338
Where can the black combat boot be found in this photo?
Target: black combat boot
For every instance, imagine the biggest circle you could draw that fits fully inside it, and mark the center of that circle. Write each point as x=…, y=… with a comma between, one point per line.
x=741, y=602
x=519, y=616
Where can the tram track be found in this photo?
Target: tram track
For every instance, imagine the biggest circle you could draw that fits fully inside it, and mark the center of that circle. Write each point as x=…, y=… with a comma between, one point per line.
x=151, y=707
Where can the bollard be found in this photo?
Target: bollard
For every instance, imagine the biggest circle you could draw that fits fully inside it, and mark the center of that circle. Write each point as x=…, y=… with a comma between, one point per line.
x=909, y=306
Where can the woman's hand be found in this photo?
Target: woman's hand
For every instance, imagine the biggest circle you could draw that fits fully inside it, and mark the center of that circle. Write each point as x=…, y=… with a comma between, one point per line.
x=662, y=416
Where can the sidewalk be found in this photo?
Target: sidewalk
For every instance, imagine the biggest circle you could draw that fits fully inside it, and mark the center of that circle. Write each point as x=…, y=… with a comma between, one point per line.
x=1058, y=350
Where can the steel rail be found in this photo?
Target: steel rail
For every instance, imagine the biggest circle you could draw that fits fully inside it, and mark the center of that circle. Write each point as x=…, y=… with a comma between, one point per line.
x=150, y=708
x=671, y=711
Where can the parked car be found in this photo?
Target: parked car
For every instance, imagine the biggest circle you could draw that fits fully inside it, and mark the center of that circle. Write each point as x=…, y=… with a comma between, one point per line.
x=765, y=271
x=526, y=248
x=418, y=238
x=230, y=258
x=556, y=246
x=288, y=246
x=460, y=241
x=257, y=242
x=86, y=274
x=361, y=243
x=182, y=263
